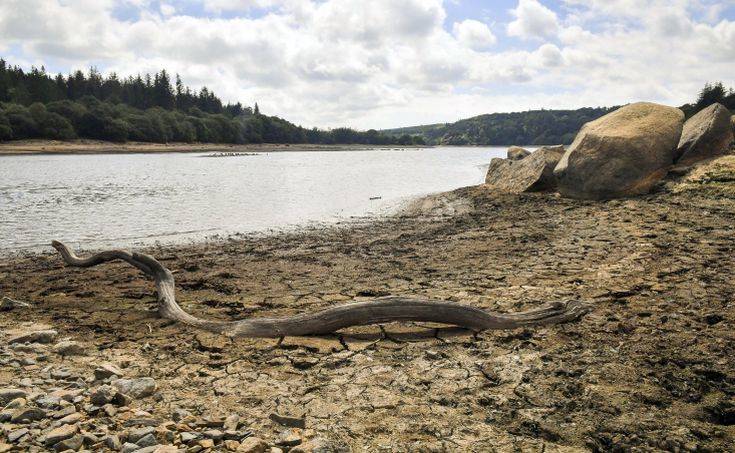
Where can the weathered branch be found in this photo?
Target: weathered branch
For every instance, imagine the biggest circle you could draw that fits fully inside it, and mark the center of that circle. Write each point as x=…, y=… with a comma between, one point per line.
x=381, y=310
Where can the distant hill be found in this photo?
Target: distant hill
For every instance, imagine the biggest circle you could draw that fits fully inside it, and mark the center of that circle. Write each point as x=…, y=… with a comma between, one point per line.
x=534, y=127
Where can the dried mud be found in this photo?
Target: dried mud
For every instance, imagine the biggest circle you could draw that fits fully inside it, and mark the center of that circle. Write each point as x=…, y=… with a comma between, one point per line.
x=650, y=368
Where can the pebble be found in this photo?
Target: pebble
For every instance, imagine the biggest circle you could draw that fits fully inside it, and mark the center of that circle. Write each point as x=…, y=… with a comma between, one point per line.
x=68, y=347
x=289, y=438
x=35, y=336
x=135, y=434
x=252, y=445
x=129, y=447
x=214, y=434
x=72, y=443
x=9, y=394
x=291, y=422
x=148, y=440
x=70, y=419
x=14, y=436
x=206, y=443
x=106, y=370
x=231, y=445
x=136, y=388
x=8, y=304
x=113, y=442
x=102, y=395
x=231, y=422
x=16, y=403
x=27, y=414
x=187, y=437
x=58, y=434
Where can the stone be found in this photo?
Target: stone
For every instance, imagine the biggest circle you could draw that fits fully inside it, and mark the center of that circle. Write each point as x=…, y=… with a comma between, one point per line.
x=136, y=388
x=67, y=348
x=517, y=153
x=707, y=134
x=16, y=403
x=148, y=440
x=72, y=443
x=34, y=336
x=622, y=154
x=135, y=434
x=16, y=435
x=70, y=419
x=231, y=423
x=534, y=173
x=61, y=433
x=252, y=445
x=206, y=443
x=27, y=414
x=107, y=370
x=289, y=437
x=9, y=394
x=231, y=445
x=214, y=434
x=8, y=304
x=129, y=447
x=291, y=422
x=113, y=442
x=187, y=437
x=102, y=395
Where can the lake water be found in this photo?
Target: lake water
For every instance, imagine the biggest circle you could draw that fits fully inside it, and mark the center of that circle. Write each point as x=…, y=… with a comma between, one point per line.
x=95, y=201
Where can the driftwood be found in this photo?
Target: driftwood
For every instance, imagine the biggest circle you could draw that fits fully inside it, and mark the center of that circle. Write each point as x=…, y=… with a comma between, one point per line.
x=378, y=311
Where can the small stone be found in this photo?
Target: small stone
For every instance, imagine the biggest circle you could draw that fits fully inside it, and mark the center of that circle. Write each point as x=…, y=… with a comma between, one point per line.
x=9, y=394
x=109, y=409
x=27, y=414
x=14, y=436
x=135, y=434
x=214, y=434
x=179, y=414
x=129, y=447
x=113, y=442
x=148, y=440
x=187, y=437
x=34, y=336
x=231, y=422
x=8, y=304
x=252, y=445
x=70, y=419
x=206, y=443
x=57, y=435
x=67, y=348
x=102, y=395
x=275, y=450
x=72, y=443
x=231, y=445
x=106, y=370
x=136, y=388
x=16, y=403
x=48, y=402
x=289, y=438
x=291, y=422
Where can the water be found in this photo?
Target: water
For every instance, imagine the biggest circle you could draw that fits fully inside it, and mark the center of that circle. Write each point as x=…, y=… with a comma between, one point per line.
x=136, y=199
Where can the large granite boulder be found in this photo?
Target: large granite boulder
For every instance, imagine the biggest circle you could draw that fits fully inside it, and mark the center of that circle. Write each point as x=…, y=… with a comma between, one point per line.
x=517, y=153
x=533, y=173
x=622, y=154
x=707, y=134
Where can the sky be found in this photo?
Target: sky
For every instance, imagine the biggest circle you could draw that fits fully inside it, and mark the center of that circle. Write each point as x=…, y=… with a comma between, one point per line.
x=390, y=63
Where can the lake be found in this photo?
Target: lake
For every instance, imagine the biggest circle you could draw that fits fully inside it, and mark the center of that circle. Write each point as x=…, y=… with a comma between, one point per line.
x=94, y=201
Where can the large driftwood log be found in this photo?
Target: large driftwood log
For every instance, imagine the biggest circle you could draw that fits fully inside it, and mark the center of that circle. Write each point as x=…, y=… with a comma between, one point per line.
x=381, y=310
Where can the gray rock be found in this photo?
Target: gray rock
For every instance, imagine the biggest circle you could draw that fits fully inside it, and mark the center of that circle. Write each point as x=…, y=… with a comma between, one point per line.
x=136, y=388
x=214, y=434
x=72, y=443
x=27, y=415
x=231, y=422
x=517, y=153
x=289, y=438
x=148, y=440
x=61, y=433
x=70, y=419
x=187, y=437
x=707, y=134
x=8, y=304
x=129, y=447
x=102, y=395
x=135, y=434
x=285, y=420
x=113, y=442
x=67, y=348
x=16, y=435
x=16, y=403
x=624, y=153
x=34, y=336
x=252, y=445
x=107, y=370
x=9, y=394
x=532, y=174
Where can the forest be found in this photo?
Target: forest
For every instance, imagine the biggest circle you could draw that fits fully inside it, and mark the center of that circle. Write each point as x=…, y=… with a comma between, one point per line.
x=35, y=104
x=540, y=127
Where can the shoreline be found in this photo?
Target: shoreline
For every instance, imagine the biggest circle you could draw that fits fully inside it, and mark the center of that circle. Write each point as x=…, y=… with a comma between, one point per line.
x=411, y=384
x=78, y=147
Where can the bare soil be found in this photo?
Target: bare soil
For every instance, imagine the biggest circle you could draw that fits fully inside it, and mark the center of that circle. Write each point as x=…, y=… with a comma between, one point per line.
x=651, y=368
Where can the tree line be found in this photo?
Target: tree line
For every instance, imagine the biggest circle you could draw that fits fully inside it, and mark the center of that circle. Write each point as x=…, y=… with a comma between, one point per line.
x=36, y=104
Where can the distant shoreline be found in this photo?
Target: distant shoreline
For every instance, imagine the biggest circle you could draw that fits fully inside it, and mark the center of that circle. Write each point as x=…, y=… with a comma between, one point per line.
x=41, y=147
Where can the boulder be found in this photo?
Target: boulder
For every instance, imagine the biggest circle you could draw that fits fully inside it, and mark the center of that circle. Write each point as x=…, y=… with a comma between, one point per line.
x=622, y=154
x=517, y=153
x=532, y=174
x=707, y=134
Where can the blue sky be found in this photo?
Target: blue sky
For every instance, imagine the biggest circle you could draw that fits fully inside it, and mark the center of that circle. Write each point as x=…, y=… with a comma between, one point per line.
x=385, y=63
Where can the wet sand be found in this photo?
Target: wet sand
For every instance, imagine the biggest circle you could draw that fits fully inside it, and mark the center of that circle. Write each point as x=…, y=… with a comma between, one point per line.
x=651, y=368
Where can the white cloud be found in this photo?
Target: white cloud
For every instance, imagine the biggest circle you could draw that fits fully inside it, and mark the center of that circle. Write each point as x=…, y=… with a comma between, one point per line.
x=474, y=34
x=533, y=20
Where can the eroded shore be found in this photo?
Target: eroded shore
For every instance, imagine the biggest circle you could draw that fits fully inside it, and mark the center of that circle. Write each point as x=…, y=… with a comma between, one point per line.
x=651, y=368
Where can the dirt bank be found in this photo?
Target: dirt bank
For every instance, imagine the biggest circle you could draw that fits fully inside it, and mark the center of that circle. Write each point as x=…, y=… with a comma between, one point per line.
x=651, y=368
x=21, y=147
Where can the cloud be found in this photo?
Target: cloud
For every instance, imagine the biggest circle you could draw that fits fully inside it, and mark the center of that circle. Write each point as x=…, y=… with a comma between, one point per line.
x=533, y=20
x=474, y=34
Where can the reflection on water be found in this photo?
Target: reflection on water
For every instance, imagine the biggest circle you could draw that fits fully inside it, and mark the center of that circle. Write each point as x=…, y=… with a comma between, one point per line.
x=125, y=199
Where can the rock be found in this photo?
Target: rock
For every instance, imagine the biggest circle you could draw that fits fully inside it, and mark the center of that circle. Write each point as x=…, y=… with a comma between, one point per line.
x=252, y=445
x=136, y=388
x=66, y=348
x=72, y=443
x=289, y=437
x=187, y=437
x=9, y=394
x=206, y=443
x=291, y=422
x=136, y=434
x=8, y=304
x=148, y=440
x=622, y=154
x=129, y=447
x=214, y=434
x=70, y=419
x=707, y=134
x=102, y=395
x=16, y=435
x=113, y=442
x=231, y=445
x=517, y=153
x=16, y=403
x=61, y=433
x=231, y=423
x=27, y=414
x=33, y=336
x=107, y=370
x=532, y=174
